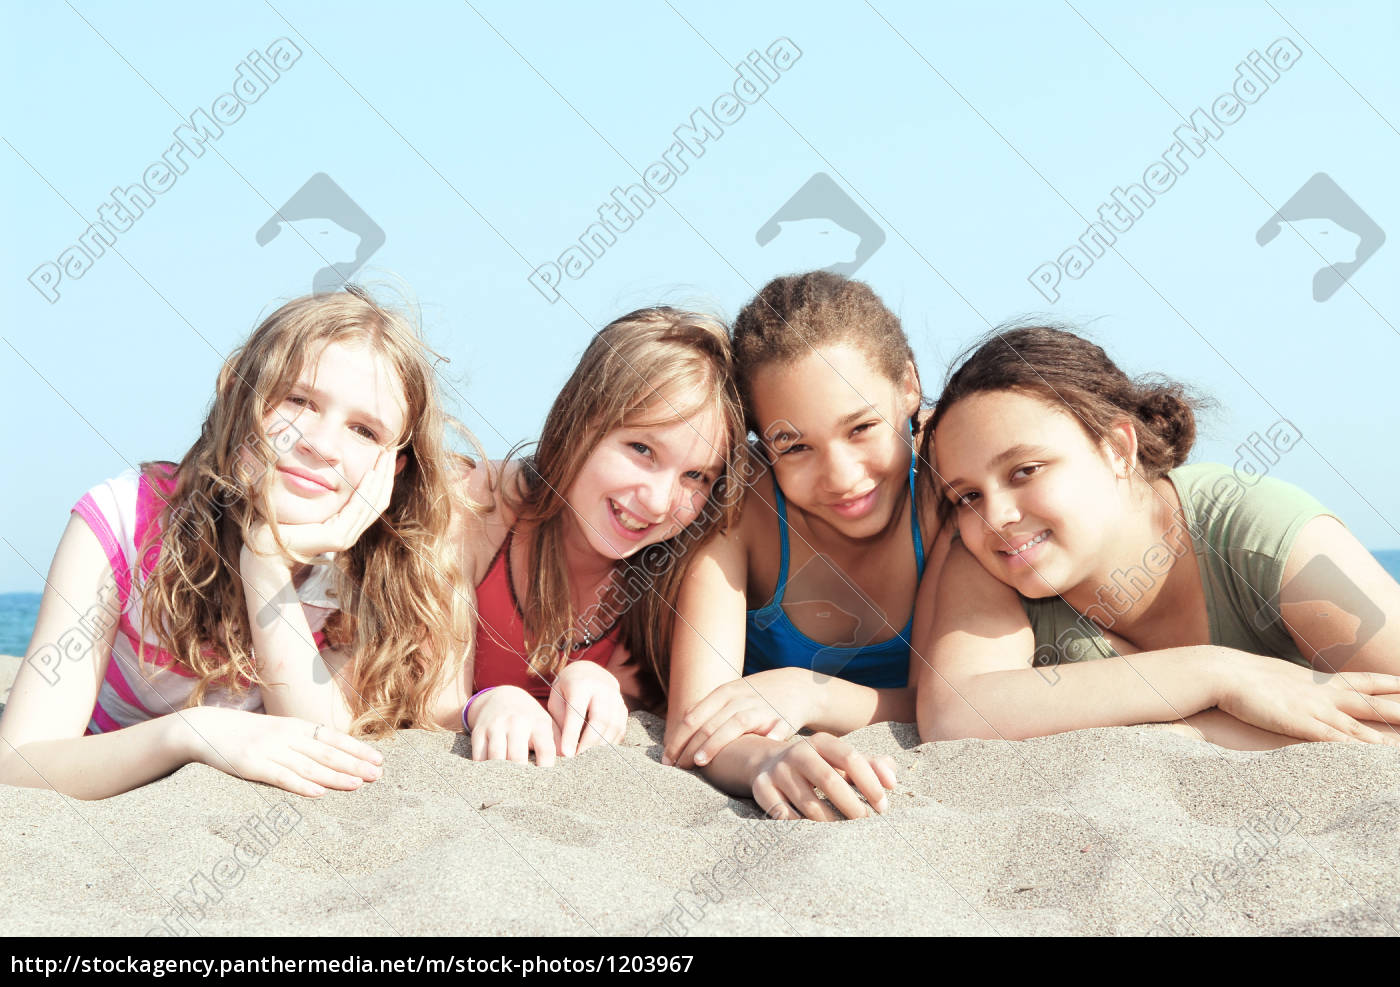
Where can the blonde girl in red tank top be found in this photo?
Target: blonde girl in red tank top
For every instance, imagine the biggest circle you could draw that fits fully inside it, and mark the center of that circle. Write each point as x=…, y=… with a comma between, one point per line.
x=577, y=558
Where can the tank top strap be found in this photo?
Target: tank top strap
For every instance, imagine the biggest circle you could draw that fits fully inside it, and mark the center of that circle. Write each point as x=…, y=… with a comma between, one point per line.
x=914, y=517
x=783, y=535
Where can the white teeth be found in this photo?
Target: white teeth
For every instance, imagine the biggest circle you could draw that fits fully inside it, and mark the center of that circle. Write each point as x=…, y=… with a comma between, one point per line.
x=1034, y=541
x=625, y=519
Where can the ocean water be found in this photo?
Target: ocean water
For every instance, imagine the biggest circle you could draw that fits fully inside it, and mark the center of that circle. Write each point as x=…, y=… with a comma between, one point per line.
x=1390, y=558
x=17, y=613
x=18, y=610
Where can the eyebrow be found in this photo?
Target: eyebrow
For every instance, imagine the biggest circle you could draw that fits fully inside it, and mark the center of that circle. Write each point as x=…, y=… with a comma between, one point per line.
x=1021, y=451
x=714, y=466
x=356, y=413
x=859, y=413
x=854, y=416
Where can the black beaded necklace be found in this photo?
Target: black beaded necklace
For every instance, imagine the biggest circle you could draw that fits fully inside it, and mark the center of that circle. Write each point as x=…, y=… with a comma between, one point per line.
x=588, y=638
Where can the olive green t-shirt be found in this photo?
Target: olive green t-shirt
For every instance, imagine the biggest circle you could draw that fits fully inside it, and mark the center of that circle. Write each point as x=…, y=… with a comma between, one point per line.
x=1241, y=534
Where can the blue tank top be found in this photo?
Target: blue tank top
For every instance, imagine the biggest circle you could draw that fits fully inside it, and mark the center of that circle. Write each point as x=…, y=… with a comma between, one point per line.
x=773, y=641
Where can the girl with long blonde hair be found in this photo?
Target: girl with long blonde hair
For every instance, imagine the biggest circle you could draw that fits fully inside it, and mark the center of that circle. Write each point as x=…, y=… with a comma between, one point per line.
x=284, y=586
x=577, y=561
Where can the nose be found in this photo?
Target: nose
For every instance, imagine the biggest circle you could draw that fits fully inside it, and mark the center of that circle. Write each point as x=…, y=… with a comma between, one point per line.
x=318, y=437
x=843, y=469
x=657, y=492
x=999, y=510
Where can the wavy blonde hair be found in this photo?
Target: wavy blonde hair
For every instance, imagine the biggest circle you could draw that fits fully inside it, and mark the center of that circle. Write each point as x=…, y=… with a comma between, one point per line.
x=399, y=614
x=654, y=366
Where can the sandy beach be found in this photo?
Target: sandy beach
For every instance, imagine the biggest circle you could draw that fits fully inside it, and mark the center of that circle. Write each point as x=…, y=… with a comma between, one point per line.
x=1100, y=832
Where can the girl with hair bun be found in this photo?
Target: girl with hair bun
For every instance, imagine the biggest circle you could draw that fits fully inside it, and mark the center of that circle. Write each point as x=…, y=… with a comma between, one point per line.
x=1084, y=541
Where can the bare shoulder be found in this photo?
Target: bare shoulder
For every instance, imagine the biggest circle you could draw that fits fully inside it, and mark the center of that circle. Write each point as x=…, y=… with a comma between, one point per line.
x=760, y=495
x=928, y=491
x=972, y=590
x=1338, y=603
x=482, y=515
x=756, y=535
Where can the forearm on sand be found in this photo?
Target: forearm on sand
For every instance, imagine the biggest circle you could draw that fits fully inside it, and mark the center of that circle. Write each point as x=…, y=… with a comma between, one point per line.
x=845, y=706
x=103, y=764
x=1014, y=704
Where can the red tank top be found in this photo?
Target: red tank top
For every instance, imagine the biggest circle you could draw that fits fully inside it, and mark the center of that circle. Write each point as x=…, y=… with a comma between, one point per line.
x=500, y=635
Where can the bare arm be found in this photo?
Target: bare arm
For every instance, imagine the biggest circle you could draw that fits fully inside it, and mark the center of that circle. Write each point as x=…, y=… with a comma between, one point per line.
x=41, y=734
x=466, y=535
x=56, y=688
x=774, y=703
x=1340, y=607
x=981, y=684
x=298, y=680
x=707, y=649
x=706, y=655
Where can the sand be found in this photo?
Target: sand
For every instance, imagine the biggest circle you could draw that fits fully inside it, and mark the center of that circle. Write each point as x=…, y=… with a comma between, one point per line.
x=1124, y=831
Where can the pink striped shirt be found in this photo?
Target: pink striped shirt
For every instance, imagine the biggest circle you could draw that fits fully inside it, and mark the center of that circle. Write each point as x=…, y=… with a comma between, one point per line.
x=121, y=512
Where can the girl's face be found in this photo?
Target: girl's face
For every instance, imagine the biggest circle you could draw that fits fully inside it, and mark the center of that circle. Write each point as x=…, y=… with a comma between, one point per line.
x=345, y=410
x=1037, y=499
x=642, y=485
x=837, y=431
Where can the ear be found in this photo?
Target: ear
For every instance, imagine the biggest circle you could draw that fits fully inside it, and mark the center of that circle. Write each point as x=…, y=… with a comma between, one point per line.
x=400, y=463
x=1121, y=448
x=910, y=393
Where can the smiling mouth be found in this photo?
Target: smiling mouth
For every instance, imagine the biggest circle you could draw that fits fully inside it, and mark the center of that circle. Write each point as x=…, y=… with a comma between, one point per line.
x=855, y=504
x=627, y=519
x=1024, y=546
x=301, y=478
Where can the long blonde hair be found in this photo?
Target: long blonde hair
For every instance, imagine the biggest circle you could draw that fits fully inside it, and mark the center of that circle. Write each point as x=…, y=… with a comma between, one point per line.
x=651, y=367
x=399, y=612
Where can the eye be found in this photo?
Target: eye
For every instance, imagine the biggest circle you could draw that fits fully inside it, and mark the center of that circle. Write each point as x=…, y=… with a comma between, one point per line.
x=295, y=399
x=1026, y=472
x=860, y=429
x=795, y=447
x=699, y=476
x=641, y=448
x=963, y=501
x=366, y=432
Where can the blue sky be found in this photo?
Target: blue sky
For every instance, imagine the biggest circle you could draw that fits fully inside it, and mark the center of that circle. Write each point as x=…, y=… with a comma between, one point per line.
x=483, y=138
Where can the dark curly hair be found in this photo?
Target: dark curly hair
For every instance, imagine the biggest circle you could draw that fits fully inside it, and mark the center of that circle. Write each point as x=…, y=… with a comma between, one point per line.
x=798, y=312
x=1064, y=368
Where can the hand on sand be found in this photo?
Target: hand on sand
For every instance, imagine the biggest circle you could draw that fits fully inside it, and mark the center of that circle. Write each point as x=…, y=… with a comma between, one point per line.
x=508, y=723
x=773, y=704
x=587, y=703
x=293, y=754
x=364, y=505
x=787, y=783
x=1294, y=701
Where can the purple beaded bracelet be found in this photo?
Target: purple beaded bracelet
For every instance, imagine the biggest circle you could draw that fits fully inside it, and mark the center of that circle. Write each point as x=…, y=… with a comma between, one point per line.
x=469, y=706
